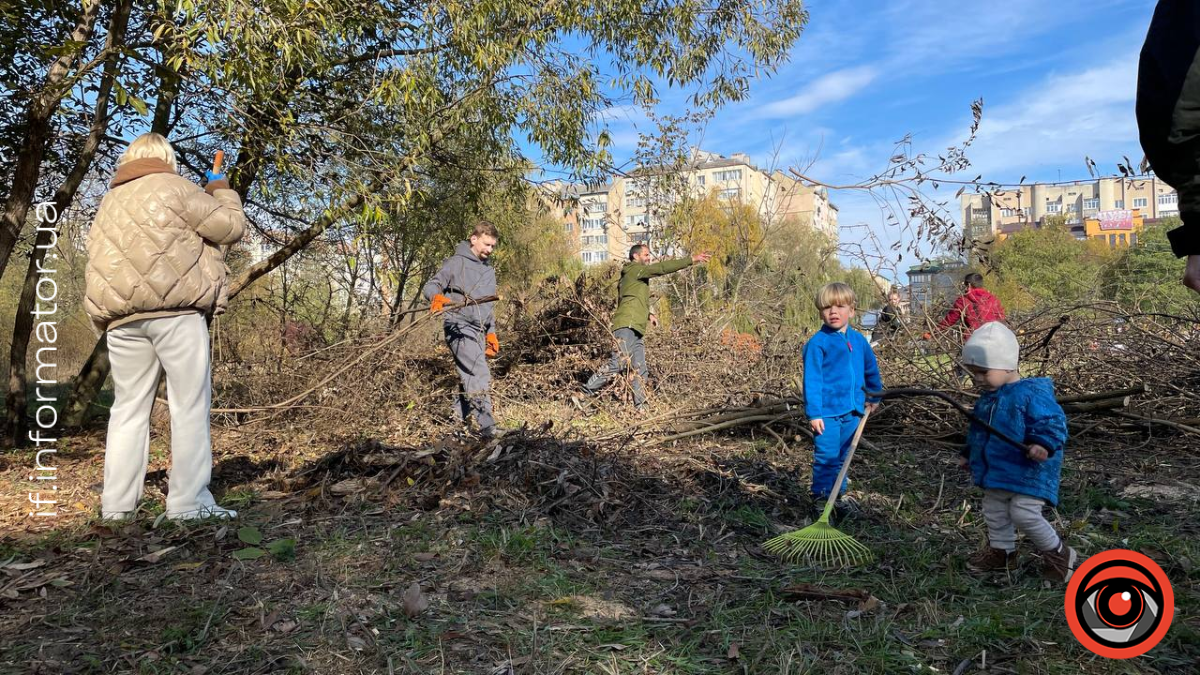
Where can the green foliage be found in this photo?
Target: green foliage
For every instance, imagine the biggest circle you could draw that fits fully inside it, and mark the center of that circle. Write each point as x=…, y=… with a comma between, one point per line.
x=533, y=247
x=1048, y=265
x=1147, y=275
x=731, y=231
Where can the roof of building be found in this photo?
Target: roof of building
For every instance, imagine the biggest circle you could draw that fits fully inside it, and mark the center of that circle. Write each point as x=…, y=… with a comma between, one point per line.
x=936, y=267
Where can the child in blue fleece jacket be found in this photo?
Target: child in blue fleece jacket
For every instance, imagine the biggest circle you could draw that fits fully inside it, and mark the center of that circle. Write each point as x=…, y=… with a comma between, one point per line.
x=838, y=361
x=1016, y=482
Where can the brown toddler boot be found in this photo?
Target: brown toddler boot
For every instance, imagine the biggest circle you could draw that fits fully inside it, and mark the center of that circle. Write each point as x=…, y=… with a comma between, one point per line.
x=1059, y=564
x=990, y=559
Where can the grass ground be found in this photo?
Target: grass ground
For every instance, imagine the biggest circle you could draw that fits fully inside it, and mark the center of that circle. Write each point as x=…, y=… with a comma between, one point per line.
x=494, y=577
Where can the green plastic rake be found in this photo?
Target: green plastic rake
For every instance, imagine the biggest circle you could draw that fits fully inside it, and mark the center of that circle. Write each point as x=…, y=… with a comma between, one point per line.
x=821, y=544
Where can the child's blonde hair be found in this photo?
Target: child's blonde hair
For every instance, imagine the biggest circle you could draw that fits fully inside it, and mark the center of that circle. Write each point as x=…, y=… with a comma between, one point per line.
x=149, y=146
x=836, y=293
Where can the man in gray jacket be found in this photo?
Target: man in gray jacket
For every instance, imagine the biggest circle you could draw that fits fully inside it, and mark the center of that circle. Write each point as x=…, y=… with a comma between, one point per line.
x=471, y=330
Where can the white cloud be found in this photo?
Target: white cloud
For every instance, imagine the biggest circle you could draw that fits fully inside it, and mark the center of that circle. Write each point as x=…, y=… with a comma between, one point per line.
x=831, y=88
x=1059, y=120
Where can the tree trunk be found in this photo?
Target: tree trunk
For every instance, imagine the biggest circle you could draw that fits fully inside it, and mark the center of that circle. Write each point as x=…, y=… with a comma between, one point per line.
x=47, y=237
x=87, y=385
x=37, y=134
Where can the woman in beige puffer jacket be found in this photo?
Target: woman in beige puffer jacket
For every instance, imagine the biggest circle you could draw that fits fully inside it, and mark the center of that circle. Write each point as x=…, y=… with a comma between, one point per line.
x=155, y=273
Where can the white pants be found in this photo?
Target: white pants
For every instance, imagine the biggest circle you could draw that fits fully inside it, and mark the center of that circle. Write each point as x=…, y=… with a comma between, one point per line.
x=138, y=352
x=1004, y=510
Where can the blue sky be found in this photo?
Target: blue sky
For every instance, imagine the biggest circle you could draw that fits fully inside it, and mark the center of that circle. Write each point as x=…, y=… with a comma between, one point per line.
x=1057, y=80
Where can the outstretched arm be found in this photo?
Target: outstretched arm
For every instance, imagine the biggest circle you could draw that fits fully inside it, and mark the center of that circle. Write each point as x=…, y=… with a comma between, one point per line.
x=955, y=314
x=674, y=265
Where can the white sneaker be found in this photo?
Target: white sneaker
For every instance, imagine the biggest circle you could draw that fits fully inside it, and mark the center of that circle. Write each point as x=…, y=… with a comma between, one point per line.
x=205, y=512
x=117, y=516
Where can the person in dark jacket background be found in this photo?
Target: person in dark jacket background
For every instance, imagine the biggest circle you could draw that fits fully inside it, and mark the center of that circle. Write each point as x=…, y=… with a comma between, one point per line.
x=891, y=318
x=1168, y=116
x=1017, y=482
x=471, y=330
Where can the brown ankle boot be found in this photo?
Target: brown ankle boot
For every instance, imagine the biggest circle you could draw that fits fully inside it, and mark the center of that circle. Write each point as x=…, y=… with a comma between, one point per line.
x=991, y=559
x=1059, y=564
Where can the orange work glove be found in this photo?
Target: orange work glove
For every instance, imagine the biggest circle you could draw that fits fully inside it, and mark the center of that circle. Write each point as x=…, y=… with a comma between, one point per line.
x=439, y=301
x=493, y=346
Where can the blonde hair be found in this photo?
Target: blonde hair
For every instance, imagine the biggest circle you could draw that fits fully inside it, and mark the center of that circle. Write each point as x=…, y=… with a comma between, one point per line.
x=836, y=293
x=149, y=146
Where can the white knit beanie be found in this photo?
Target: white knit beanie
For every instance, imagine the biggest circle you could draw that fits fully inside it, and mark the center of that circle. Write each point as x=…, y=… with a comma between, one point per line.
x=992, y=346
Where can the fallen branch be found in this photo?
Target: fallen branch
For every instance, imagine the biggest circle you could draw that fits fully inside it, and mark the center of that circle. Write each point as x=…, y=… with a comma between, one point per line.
x=1102, y=395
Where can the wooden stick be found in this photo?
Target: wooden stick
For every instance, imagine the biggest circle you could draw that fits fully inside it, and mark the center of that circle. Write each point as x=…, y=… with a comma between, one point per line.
x=1092, y=406
x=1102, y=395
x=218, y=160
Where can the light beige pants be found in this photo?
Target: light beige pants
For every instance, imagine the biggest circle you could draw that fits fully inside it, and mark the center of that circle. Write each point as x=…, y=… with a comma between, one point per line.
x=138, y=352
x=1006, y=512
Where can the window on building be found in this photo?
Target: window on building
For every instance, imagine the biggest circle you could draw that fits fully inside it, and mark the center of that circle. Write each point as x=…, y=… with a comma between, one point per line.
x=636, y=220
x=1072, y=208
x=700, y=181
x=634, y=202
x=1112, y=240
x=730, y=193
x=568, y=227
x=1053, y=207
x=728, y=175
x=1133, y=238
x=1008, y=213
x=1119, y=204
x=1139, y=202
x=1121, y=238
x=1026, y=211
x=593, y=224
x=1168, y=200
x=1091, y=204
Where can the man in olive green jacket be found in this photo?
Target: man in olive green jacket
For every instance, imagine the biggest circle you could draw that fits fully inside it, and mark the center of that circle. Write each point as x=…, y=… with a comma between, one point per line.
x=632, y=315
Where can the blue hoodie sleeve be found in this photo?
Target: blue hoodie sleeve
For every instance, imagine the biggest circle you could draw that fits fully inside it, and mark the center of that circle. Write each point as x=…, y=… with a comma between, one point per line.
x=812, y=378
x=1045, y=422
x=871, y=375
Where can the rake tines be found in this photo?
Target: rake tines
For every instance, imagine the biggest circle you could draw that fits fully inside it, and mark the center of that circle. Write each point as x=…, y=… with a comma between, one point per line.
x=820, y=545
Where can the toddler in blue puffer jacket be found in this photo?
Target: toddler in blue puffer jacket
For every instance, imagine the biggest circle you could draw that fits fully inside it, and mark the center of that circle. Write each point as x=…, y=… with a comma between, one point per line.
x=1017, y=482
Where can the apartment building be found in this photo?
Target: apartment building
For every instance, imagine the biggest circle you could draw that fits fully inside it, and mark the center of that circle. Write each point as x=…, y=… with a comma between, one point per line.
x=612, y=216
x=933, y=283
x=1118, y=206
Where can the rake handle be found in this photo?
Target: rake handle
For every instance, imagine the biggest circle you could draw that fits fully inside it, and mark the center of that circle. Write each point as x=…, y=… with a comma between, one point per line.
x=837, y=485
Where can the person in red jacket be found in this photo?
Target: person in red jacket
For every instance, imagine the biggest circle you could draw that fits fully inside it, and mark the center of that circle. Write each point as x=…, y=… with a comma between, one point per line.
x=973, y=308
